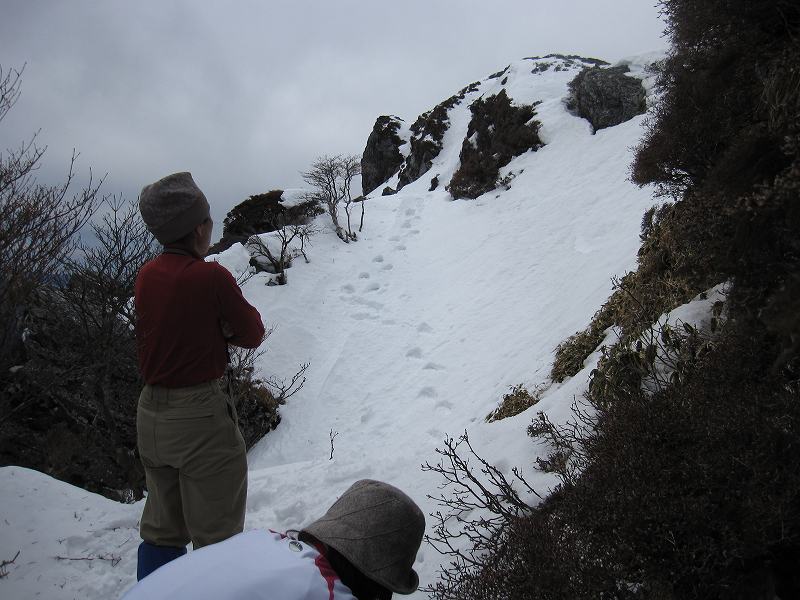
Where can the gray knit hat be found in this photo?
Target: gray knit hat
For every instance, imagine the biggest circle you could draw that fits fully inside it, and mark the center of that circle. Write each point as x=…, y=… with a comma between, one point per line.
x=173, y=206
x=378, y=529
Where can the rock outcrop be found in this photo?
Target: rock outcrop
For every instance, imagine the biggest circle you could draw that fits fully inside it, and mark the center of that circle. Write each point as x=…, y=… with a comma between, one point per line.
x=606, y=96
x=382, y=157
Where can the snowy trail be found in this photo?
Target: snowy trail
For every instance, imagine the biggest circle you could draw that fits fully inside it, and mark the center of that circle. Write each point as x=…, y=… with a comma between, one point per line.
x=412, y=333
x=443, y=305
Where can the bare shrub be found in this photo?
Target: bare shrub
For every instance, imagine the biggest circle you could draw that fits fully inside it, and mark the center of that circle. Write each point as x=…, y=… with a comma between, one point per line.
x=257, y=400
x=332, y=178
x=476, y=507
x=38, y=226
x=280, y=256
x=76, y=391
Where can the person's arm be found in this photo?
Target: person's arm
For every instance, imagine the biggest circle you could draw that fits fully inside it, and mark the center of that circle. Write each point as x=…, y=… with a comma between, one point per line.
x=241, y=323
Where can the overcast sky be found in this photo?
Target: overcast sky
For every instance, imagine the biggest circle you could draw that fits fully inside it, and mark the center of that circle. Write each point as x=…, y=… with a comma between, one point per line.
x=246, y=93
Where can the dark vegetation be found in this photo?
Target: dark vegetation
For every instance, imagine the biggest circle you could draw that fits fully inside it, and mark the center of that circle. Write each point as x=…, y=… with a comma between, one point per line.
x=427, y=134
x=497, y=132
x=69, y=380
x=517, y=400
x=680, y=476
x=262, y=213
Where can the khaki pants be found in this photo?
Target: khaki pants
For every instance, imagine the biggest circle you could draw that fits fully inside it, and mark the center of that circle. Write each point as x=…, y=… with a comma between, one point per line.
x=195, y=464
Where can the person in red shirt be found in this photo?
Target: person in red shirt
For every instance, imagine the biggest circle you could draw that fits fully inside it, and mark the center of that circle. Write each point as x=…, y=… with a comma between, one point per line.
x=188, y=311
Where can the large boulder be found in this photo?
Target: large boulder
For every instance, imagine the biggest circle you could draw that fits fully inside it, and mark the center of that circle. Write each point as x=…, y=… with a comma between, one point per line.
x=381, y=158
x=606, y=96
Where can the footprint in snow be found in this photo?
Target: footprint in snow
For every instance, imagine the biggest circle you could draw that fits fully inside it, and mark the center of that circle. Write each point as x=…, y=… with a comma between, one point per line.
x=444, y=404
x=414, y=353
x=363, y=317
x=388, y=267
x=372, y=287
x=432, y=366
x=348, y=288
x=363, y=275
x=424, y=327
x=436, y=433
x=378, y=259
x=400, y=247
x=428, y=392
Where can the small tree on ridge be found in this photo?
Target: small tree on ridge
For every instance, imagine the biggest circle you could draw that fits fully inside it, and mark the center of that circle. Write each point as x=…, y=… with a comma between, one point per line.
x=332, y=178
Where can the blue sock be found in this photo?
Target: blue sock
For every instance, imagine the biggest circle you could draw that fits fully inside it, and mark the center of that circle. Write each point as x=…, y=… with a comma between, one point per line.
x=152, y=557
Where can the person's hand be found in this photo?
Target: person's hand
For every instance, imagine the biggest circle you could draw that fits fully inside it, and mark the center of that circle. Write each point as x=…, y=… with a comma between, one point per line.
x=227, y=331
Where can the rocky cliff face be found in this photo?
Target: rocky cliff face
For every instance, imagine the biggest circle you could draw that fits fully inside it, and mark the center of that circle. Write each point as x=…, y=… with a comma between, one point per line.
x=465, y=143
x=382, y=157
x=606, y=96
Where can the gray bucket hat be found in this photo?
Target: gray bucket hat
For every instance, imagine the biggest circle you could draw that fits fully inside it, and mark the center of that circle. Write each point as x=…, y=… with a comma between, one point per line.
x=173, y=206
x=378, y=529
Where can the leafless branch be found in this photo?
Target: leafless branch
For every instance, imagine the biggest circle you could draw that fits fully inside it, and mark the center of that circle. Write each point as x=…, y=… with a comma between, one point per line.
x=332, y=177
x=5, y=563
x=114, y=560
x=287, y=390
x=333, y=434
x=475, y=504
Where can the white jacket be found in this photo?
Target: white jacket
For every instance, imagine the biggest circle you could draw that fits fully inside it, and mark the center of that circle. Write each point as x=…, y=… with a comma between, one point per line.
x=254, y=565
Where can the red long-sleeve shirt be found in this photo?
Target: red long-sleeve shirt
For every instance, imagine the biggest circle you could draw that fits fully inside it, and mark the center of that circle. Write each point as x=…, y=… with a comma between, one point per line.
x=181, y=302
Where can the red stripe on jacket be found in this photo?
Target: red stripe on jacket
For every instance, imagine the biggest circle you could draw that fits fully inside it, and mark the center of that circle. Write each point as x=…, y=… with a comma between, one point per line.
x=327, y=572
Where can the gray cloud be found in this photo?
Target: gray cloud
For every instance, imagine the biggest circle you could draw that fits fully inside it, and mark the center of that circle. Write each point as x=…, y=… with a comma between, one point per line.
x=245, y=94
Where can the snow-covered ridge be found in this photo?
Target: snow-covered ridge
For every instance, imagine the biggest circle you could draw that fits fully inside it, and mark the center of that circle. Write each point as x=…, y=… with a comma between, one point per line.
x=413, y=333
x=527, y=82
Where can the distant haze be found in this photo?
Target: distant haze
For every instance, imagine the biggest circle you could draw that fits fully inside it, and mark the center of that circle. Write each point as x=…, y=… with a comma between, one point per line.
x=245, y=94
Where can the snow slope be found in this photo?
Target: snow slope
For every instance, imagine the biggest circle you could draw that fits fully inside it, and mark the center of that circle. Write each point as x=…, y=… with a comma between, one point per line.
x=413, y=333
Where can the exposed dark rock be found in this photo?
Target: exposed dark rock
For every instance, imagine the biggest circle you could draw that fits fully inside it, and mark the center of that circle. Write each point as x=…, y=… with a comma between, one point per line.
x=571, y=59
x=381, y=158
x=562, y=62
x=498, y=132
x=225, y=242
x=388, y=191
x=434, y=183
x=606, y=96
x=426, y=140
x=499, y=73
